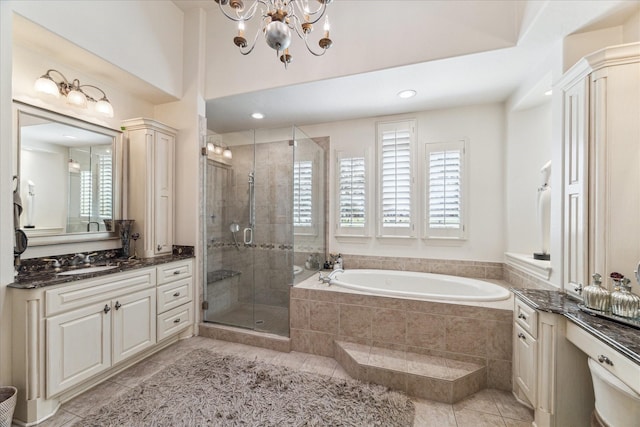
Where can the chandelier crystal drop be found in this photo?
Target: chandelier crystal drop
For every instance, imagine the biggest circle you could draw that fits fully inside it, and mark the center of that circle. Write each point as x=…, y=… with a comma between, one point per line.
x=279, y=19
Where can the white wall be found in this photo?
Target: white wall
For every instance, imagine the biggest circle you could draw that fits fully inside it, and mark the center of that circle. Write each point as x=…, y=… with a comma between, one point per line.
x=484, y=126
x=143, y=38
x=528, y=148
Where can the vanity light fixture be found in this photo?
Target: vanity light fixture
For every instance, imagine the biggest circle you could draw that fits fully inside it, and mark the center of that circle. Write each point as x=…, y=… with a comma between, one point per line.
x=219, y=149
x=74, y=92
x=278, y=18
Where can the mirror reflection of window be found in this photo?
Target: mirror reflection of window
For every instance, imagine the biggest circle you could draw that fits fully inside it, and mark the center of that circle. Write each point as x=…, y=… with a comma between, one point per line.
x=66, y=170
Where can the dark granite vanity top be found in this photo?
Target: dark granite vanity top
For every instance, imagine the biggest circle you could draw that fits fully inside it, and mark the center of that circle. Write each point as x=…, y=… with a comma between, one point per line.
x=32, y=278
x=623, y=338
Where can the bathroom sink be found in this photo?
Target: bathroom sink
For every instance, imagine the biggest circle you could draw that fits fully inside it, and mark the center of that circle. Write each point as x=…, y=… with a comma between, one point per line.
x=87, y=270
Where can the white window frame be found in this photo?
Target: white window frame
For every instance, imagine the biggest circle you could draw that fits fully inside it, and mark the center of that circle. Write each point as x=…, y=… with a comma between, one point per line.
x=385, y=230
x=346, y=231
x=447, y=233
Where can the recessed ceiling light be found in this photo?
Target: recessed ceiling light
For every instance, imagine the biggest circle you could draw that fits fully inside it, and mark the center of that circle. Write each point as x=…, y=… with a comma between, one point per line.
x=549, y=92
x=257, y=116
x=70, y=136
x=407, y=93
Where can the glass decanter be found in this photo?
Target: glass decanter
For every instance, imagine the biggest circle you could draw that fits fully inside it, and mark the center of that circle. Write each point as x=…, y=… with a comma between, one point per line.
x=595, y=296
x=623, y=302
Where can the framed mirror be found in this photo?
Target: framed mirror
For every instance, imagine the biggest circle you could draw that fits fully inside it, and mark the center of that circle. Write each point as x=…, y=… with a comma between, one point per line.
x=69, y=176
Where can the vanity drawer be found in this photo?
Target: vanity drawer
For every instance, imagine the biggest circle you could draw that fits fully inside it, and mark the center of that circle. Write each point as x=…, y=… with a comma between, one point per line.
x=526, y=317
x=174, y=271
x=174, y=321
x=174, y=294
x=85, y=292
x=619, y=365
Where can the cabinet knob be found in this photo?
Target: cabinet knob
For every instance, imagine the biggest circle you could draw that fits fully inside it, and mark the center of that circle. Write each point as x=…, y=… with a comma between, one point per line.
x=106, y=308
x=159, y=248
x=177, y=272
x=521, y=335
x=177, y=320
x=177, y=294
x=522, y=316
x=118, y=305
x=604, y=359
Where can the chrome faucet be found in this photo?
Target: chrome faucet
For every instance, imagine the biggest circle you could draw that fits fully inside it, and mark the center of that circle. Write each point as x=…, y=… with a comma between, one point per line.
x=93, y=222
x=327, y=279
x=82, y=259
x=56, y=263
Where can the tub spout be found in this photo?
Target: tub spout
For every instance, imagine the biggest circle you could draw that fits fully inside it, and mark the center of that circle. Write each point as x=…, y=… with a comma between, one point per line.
x=327, y=279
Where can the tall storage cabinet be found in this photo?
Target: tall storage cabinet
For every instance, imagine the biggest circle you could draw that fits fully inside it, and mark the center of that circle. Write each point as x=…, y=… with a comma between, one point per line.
x=151, y=147
x=601, y=142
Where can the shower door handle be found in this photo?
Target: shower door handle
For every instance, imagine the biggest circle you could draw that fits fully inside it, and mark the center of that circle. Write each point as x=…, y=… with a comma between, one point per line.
x=248, y=236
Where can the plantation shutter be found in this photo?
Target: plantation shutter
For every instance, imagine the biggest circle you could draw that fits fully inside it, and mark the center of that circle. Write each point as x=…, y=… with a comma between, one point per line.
x=86, y=193
x=105, y=176
x=445, y=179
x=303, y=193
x=352, y=201
x=396, y=181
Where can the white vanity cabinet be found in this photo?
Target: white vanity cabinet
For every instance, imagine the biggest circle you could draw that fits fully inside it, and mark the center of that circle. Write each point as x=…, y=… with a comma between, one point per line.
x=85, y=336
x=601, y=106
x=525, y=355
x=151, y=148
x=548, y=371
x=69, y=337
x=175, y=298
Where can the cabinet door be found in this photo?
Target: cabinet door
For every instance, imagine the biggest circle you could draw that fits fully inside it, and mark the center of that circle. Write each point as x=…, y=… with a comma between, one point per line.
x=79, y=346
x=134, y=323
x=525, y=363
x=576, y=156
x=163, y=192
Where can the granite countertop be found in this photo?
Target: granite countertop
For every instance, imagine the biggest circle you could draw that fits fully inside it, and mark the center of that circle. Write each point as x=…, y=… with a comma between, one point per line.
x=32, y=279
x=623, y=338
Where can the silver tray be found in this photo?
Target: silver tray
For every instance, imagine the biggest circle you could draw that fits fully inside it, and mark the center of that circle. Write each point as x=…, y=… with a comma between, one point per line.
x=634, y=323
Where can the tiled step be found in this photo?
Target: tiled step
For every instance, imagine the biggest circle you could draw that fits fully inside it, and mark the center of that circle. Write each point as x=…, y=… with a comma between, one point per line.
x=428, y=377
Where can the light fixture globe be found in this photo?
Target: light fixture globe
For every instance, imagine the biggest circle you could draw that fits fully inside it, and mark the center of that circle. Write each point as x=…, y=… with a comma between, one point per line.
x=77, y=98
x=45, y=84
x=104, y=107
x=278, y=35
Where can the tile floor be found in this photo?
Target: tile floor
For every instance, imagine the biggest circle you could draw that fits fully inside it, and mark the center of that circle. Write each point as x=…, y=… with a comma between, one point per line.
x=486, y=408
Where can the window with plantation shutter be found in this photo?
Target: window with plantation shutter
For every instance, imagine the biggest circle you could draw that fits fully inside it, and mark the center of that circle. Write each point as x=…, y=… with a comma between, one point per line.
x=352, y=194
x=445, y=187
x=303, y=193
x=395, y=181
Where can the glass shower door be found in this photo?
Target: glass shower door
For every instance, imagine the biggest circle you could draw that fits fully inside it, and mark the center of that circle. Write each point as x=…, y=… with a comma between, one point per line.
x=230, y=258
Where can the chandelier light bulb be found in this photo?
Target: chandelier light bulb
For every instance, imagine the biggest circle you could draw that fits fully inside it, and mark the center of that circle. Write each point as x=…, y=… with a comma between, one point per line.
x=327, y=26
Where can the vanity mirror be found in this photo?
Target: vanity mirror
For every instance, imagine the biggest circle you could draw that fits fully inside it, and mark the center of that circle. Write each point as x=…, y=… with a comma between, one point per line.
x=70, y=177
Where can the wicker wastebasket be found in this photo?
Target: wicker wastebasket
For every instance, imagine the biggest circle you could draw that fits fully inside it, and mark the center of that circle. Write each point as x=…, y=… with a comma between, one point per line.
x=7, y=405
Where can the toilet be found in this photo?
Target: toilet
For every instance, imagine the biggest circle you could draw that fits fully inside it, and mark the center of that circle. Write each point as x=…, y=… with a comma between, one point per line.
x=617, y=405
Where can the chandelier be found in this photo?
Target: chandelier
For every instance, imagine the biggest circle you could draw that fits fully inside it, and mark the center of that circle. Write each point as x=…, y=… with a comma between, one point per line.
x=278, y=18
x=73, y=92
